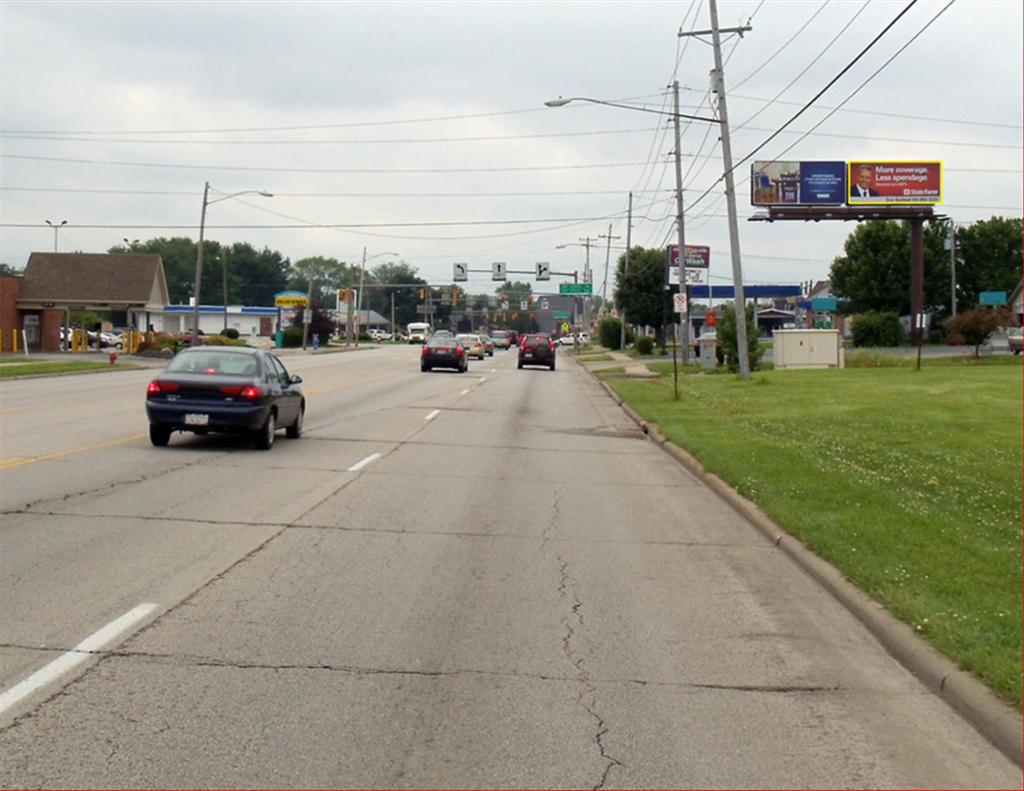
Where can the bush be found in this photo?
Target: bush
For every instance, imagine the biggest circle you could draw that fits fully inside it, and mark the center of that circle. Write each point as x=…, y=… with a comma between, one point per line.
x=230, y=332
x=221, y=340
x=728, y=344
x=875, y=328
x=644, y=345
x=292, y=337
x=975, y=326
x=609, y=332
x=872, y=359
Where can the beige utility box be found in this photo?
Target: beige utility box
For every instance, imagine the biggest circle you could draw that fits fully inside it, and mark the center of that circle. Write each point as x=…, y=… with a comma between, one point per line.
x=807, y=349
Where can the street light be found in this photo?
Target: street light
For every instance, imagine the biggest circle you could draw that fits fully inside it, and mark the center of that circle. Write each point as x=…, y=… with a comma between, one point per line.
x=359, y=293
x=739, y=301
x=56, y=227
x=561, y=102
x=199, y=252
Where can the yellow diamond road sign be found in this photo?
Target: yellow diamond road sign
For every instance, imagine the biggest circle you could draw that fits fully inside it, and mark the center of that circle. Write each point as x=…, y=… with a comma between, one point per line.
x=565, y=326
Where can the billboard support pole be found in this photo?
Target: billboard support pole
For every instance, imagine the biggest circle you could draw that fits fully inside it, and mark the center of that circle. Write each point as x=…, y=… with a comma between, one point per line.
x=917, y=284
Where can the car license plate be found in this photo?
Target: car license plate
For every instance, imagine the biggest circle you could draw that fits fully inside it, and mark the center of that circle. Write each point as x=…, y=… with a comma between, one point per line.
x=193, y=419
x=528, y=355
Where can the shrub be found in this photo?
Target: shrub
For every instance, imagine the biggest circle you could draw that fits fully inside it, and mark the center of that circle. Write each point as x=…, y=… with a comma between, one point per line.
x=875, y=328
x=644, y=345
x=872, y=359
x=609, y=332
x=975, y=326
x=292, y=337
x=221, y=340
x=728, y=344
x=230, y=332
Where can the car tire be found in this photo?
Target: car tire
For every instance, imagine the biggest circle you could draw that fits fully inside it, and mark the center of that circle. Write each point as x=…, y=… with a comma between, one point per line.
x=294, y=431
x=159, y=436
x=520, y=365
x=265, y=436
x=424, y=368
x=552, y=366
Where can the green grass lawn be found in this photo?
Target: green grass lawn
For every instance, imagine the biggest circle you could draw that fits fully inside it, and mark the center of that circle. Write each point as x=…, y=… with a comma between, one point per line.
x=908, y=481
x=595, y=358
x=9, y=368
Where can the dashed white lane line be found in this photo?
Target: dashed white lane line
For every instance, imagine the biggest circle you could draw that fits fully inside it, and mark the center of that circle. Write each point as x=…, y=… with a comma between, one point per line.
x=483, y=379
x=76, y=656
x=464, y=392
x=360, y=464
x=433, y=414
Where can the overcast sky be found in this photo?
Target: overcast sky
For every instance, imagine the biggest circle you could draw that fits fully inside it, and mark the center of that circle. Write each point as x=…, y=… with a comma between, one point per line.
x=425, y=124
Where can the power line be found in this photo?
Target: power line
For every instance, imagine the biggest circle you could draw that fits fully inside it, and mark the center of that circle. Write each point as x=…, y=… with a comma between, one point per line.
x=379, y=141
x=878, y=112
x=405, y=171
x=782, y=49
x=807, y=68
x=194, y=193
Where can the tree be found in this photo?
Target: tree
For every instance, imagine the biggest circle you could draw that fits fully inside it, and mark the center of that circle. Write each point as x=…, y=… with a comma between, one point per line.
x=642, y=292
x=976, y=325
x=7, y=269
x=727, y=340
x=254, y=277
x=988, y=258
x=874, y=272
x=329, y=274
x=406, y=299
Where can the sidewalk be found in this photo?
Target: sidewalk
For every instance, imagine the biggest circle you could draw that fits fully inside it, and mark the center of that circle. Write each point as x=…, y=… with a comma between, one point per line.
x=634, y=368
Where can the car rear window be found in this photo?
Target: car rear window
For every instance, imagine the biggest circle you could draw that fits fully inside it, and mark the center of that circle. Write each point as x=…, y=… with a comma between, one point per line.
x=444, y=340
x=214, y=362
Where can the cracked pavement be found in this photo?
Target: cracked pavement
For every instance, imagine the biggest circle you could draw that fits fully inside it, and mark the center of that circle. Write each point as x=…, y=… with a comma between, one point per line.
x=522, y=592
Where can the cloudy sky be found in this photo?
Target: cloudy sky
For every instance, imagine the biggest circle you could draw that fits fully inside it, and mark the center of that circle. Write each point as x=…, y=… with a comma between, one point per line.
x=420, y=128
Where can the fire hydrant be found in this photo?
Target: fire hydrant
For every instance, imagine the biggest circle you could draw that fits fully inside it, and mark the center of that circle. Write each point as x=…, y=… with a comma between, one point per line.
x=113, y=358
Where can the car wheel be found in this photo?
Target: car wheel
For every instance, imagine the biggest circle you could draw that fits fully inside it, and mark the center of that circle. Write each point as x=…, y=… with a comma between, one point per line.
x=520, y=364
x=294, y=431
x=159, y=435
x=265, y=436
x=552, y=366
x=424, y=368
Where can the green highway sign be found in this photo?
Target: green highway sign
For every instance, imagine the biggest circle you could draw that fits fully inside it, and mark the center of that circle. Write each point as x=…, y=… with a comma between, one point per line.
x=561, y=314
x=575, y=288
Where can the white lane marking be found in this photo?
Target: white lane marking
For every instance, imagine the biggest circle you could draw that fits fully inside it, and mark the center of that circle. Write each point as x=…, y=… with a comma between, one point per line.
x=76, y=656
x=360, y=464
x=433, y=414
x=464, y=392
x=483, y=379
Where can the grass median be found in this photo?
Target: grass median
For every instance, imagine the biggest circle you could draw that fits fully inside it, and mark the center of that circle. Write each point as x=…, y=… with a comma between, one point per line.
x=12, y=368
x=907, y=481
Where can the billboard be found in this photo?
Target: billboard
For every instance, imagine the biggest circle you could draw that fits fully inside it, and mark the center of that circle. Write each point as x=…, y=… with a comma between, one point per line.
x=797, y=183
x=697, y=256
x=894, y=183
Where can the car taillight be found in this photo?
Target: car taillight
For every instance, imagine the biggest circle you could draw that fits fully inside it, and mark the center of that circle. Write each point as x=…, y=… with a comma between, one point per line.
x=251, y=393
x=231, y=390
x=552, y=345
x=425, y=351
x=523, y=346
x=458, y=351
x=161, y=387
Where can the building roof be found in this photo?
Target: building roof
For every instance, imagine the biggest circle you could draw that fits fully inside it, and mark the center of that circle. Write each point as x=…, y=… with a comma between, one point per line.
x=95, y=279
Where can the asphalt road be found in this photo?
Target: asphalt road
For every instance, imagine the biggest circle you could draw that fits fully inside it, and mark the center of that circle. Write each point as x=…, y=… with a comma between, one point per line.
x=487, y=579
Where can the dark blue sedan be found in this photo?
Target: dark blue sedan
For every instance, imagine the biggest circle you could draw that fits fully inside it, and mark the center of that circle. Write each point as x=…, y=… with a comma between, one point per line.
x=230, y=389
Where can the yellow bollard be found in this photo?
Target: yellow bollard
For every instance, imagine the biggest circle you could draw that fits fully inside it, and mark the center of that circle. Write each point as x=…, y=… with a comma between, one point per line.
x=14, y=340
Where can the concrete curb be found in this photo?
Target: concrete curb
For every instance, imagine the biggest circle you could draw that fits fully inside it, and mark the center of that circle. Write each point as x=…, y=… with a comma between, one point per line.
x=997, y=721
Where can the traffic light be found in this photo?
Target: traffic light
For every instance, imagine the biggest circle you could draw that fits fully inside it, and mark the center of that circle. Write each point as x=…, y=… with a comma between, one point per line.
x=455, y=296
x=343, y=294
x=423, y=294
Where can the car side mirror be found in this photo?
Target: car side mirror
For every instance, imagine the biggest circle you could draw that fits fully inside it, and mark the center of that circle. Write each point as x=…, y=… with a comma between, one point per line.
x=294, y=379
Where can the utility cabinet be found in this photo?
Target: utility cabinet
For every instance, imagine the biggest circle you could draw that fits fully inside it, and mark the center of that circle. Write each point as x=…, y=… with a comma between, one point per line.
x=807, y=349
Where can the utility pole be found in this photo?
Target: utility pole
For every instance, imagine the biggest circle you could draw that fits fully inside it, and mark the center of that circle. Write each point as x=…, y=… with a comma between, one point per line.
x=625, y=274
x=224, y=281
x=684, y=317
x=952, y=267
x=587, y=278
x=359, y=296
x=607, y=260
x=718, y=86
x=393, y=329
x=307, y=313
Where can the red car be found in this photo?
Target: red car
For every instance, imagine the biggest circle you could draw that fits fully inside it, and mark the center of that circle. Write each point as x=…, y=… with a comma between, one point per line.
x=537, y=349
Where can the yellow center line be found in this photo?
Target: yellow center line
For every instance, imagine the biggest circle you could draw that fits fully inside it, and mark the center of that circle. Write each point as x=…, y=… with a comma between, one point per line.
x=18, y=461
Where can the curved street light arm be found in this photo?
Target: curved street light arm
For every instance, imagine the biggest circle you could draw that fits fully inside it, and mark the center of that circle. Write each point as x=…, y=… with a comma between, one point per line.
x=561, y=102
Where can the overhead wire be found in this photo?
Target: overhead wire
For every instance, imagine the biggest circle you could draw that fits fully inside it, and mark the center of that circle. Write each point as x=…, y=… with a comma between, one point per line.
x=785, y=46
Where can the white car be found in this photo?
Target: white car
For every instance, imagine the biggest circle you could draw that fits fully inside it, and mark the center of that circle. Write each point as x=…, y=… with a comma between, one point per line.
x=567, y=340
